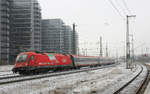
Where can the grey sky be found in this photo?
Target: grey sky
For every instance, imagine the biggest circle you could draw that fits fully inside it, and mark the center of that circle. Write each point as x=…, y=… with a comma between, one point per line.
x=98, y=17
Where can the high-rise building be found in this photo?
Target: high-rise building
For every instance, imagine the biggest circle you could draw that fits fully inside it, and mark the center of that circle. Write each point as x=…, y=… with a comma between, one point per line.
x=67, y=39
x=4, y=31
x=52, y=35
x=74, y=40
x=25, y=26
x=57, y=37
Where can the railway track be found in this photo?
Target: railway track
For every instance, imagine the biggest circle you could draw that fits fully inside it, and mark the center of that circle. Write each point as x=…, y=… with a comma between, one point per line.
x=6, y=74
x=27, y=78
x=145, y=82
x=8, y=77
x=125, y=86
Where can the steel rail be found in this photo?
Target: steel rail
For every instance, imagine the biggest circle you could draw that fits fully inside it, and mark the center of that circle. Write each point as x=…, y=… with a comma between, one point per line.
x=142, y=87
x=6, y=74
x=27, y=78
x=124, y=86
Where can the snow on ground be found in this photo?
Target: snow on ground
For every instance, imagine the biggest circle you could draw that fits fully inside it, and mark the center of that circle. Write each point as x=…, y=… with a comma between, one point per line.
x=6, y=73
x=102, y=81
x=131, y=89
x=5, y=68
x=147, y=91
x=148, y=63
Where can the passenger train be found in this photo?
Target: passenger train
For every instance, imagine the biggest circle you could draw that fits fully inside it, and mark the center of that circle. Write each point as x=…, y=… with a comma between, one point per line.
x=35, y=62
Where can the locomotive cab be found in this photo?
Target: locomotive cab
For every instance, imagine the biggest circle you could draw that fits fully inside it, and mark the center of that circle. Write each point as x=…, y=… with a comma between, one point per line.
x=21, y=62
x=31, y=59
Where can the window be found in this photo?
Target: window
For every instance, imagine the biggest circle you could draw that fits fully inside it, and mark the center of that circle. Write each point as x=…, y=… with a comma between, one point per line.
x=51, y=57
x=21, y=58
x=32, y=57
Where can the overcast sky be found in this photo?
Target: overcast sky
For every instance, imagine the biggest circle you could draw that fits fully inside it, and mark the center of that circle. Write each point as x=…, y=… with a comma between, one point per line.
x=95, y=18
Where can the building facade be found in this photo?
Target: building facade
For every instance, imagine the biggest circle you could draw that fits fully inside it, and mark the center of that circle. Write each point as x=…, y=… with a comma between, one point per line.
x=57, y=37
x=67, y=30
x=52, y=35
x=25, y=26
x=4, y=31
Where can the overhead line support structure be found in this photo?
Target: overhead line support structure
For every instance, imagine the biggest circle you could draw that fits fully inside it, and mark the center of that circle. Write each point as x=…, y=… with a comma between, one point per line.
x=128, y=61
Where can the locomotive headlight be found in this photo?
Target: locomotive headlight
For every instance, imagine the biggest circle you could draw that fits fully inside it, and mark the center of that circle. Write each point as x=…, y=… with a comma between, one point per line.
x=26, y=64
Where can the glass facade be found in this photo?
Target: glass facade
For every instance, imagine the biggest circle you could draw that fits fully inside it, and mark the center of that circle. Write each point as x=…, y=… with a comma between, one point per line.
x=52, y=35
x=56, y=36
x=4, y=31
x=25, y=24
x=67, y=39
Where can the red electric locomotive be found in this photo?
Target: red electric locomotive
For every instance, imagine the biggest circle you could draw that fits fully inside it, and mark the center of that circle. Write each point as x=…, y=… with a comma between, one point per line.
x=40, y=62
x=33, y=62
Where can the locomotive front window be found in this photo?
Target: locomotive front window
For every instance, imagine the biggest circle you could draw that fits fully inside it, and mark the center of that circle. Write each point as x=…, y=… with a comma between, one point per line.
x=21, y=58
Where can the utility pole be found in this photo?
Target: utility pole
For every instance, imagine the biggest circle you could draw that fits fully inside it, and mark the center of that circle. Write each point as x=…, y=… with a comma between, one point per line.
x=74, y=44
x=132, y=49
x=86, y=52
x=147, y=50
x=78, y=51
x=101, y=49
x=128, y=42
x=83, y=52
x=106, y=50
x=116, y=56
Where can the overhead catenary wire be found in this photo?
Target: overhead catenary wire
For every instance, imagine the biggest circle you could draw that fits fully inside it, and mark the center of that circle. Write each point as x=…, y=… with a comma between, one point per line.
x=123, y=10
x=125, y=4
x=117, y=10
